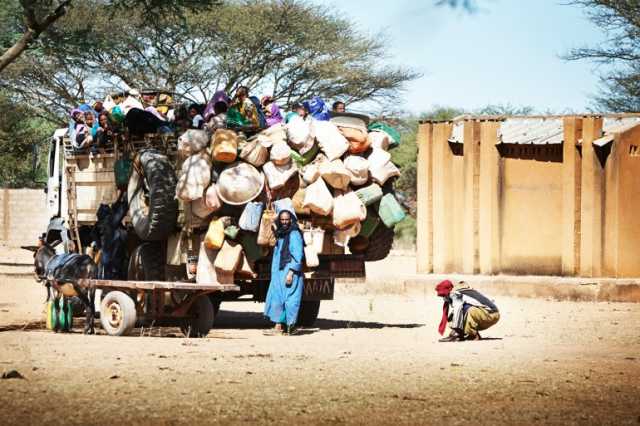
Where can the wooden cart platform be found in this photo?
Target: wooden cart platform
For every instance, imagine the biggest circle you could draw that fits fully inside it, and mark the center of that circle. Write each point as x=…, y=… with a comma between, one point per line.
x=156, y=285
x=126, y=304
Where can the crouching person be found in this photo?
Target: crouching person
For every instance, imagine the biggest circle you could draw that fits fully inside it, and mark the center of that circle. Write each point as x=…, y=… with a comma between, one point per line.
x=466, y=311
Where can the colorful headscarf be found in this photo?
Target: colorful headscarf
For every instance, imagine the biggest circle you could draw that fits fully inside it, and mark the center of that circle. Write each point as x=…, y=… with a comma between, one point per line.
x=317, y=108
x=443, y=289
x=219, y=97
x=276, y=115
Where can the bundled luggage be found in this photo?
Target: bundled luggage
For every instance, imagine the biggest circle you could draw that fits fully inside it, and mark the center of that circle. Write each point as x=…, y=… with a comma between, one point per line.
x=332, y=170
x=194, y=178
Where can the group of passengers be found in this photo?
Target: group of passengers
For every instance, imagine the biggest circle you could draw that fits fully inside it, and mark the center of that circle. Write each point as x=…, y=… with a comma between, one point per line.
x=92, y=127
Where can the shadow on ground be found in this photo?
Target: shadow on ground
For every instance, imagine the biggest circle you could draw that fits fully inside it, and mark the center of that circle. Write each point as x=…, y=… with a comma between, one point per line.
x=249, y=320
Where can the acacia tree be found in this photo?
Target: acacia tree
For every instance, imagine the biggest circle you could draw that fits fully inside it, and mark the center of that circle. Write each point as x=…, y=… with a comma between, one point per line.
x=619, y=54
x=287, y=48
x=33, y=17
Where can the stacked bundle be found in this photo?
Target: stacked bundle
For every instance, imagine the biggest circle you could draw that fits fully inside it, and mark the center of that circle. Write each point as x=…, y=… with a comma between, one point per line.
x=335, y=175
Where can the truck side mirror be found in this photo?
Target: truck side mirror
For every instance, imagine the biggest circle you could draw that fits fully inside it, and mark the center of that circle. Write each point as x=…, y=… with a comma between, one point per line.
x=46, y=190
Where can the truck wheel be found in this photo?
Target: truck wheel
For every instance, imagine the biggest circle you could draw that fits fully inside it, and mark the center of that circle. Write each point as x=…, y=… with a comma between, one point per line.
x=378, y=247
x=308, y=313
x=146, y=263
x=117, y=313
x=215, y=302
x=152, y=204
x=202, y=317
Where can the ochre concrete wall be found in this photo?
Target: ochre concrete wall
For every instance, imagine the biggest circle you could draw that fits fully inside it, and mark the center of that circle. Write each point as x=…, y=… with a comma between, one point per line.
x=622, y=220
x=457, y=212
x=23, y=216
x=570, y=209
x=531, y=217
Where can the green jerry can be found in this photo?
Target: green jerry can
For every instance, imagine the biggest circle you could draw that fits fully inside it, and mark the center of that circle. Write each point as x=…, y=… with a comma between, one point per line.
x=369, y=224
x=370, y=194
x=231, y=231
x=302, y=160
x=390, y=211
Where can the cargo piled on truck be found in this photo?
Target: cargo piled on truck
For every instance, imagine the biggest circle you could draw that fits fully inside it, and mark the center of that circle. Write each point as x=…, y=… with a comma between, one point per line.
x=202, y=200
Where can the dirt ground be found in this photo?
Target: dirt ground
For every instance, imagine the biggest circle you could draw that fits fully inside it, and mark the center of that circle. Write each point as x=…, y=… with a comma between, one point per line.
x=372, y=359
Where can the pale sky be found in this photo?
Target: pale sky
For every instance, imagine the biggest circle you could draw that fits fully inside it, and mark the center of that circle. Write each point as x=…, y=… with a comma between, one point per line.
x=508, y=52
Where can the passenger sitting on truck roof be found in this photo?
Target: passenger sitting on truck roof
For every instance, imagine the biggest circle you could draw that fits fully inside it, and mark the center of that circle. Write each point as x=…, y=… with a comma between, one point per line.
x=196, y=118
x=296, y=110
x=215, y=114
x=104, y=134
x=85, y=132
x=338, y=106
x=77, y=120
x=98, y=107
x=246, y=108
x=271, y=111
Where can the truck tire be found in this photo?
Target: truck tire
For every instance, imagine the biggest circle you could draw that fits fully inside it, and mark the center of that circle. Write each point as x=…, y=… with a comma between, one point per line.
x=146, y=263
x=202, y=318
x=152, y=204
x=117, y=313
x=378, y=246
x=308, y=313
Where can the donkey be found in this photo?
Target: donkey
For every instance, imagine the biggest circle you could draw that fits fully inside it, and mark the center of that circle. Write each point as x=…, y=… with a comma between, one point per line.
x=62, y=272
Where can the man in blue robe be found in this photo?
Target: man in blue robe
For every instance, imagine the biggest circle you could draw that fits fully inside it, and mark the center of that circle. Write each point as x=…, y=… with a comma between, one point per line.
x=287, y=279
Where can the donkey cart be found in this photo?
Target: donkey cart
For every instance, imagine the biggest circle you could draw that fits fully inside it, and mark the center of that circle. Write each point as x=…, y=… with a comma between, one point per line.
x=127, y=304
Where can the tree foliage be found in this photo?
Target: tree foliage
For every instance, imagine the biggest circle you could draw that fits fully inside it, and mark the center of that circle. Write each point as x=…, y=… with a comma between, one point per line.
x=287, y=48
x=22, y=144
x=33, y=17
x=619, y=55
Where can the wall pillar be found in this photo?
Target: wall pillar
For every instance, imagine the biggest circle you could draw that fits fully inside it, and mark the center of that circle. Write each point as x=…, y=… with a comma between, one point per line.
x=592, y=201
x=424, y=189
x=489, y=199
x=470, y=237
x=442, y=199
x=571, y=182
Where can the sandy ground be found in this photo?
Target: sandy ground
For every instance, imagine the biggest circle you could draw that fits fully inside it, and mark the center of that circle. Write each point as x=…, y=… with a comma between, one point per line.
x=372, y=359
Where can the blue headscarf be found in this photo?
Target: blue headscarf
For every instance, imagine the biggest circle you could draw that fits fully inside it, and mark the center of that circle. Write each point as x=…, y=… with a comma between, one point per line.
x=317, y=108
x=281, y=232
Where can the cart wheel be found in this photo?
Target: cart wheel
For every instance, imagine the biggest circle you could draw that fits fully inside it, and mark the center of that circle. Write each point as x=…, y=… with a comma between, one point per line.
x=202, y=316
x=117, y=313
x=216, y=302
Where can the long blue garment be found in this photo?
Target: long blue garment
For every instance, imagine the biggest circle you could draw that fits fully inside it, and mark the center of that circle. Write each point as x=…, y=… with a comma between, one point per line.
x=283, y=303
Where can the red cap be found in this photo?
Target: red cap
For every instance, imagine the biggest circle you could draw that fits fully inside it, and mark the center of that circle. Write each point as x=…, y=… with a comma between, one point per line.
x=444, y=288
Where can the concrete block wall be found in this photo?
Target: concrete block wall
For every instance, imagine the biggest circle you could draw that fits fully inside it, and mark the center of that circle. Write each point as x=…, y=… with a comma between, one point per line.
x=23, y=216
x=569, y=210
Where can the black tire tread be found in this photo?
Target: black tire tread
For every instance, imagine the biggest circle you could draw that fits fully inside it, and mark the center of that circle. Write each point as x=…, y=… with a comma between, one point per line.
x=163, y=207
x=146, y=263
x=201, y=323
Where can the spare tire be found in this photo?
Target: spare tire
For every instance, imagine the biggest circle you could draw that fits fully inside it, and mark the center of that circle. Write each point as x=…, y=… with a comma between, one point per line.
x=378, y=247
x=152, y=204
x=146, y=263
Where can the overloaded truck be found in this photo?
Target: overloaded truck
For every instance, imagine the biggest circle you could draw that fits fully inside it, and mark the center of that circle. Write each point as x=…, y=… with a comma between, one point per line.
x=200, y=206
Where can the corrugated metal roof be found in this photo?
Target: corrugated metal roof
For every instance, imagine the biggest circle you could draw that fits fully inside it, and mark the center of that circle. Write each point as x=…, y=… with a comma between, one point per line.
x=536, y=131
x=611, y=126
x=457, y=134
x=618, y=124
